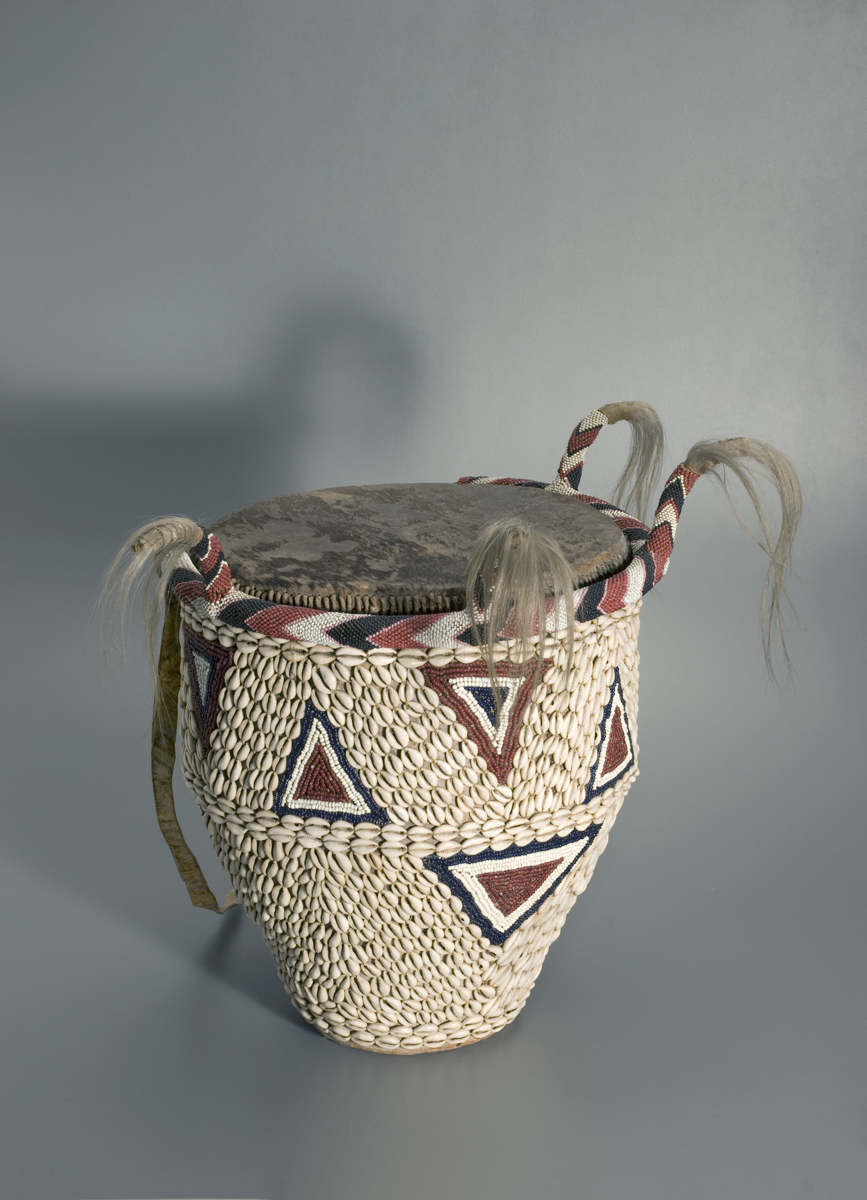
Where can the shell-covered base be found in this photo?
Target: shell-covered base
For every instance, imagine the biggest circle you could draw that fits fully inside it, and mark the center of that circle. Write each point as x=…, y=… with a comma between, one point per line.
x=471, y=1041
x=409, y=864
x=422, y=1049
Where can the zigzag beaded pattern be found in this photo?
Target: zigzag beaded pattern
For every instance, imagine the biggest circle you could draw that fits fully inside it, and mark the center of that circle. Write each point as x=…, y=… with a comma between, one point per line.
x=572, y=463
x=204, y=581
x=423, y=924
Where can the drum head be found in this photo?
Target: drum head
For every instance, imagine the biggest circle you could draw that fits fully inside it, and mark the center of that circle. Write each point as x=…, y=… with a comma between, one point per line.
x=399, y=548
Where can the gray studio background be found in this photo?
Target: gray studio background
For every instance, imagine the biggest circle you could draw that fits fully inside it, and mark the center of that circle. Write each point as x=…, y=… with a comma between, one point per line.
x=264, y=247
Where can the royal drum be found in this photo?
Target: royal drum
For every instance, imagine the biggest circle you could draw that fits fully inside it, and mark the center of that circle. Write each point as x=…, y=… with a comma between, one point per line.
x=408, y=769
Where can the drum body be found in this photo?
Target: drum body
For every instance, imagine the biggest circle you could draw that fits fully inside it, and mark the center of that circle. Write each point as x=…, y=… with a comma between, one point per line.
x=409, y=857
x=406, y=807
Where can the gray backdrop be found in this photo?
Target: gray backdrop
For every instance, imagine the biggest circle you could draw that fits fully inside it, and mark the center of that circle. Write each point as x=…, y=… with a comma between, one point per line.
x=256, y=248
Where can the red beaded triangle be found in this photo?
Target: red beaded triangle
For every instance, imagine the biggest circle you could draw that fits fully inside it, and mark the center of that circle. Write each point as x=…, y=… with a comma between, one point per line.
x=617, y=747
x=509, y=889
x=319, y=783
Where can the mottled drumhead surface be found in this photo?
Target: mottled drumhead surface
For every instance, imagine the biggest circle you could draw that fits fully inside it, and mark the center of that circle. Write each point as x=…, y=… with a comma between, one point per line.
x=399, y=547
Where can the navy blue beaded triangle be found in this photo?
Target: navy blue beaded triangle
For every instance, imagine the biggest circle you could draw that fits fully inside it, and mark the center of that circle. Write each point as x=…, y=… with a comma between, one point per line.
x=320, y=781
x=499, y=890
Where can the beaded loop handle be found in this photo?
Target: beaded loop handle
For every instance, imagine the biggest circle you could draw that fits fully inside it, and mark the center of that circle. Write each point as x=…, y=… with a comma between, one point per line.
x=637, y=482
x=568, y=478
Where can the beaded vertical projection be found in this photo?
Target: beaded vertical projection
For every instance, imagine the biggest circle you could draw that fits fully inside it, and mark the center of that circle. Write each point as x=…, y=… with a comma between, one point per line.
x=422, y=923
x=572, y=463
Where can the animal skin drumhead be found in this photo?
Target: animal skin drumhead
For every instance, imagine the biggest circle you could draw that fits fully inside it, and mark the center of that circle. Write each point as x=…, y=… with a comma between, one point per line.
x=399, y=547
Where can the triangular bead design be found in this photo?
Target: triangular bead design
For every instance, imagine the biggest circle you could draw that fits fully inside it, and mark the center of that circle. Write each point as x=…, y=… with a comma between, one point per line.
x=466, y=688
x=508, y=890
x=207, y=664
x=319, y=779
x=319, y=782
x=499, y=890
x=616, y=748
x=203, y=669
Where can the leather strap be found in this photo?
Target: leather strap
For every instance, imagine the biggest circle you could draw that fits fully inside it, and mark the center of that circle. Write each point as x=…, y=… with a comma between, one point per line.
x=165, y=726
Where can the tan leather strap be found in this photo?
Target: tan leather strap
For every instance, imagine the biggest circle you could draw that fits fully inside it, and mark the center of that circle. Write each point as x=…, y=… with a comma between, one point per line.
x=163, y=763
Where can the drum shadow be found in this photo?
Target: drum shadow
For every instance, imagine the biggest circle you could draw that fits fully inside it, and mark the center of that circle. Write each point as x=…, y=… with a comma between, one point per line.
x=237, y=956
x=346, y=386
x=334, y=401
